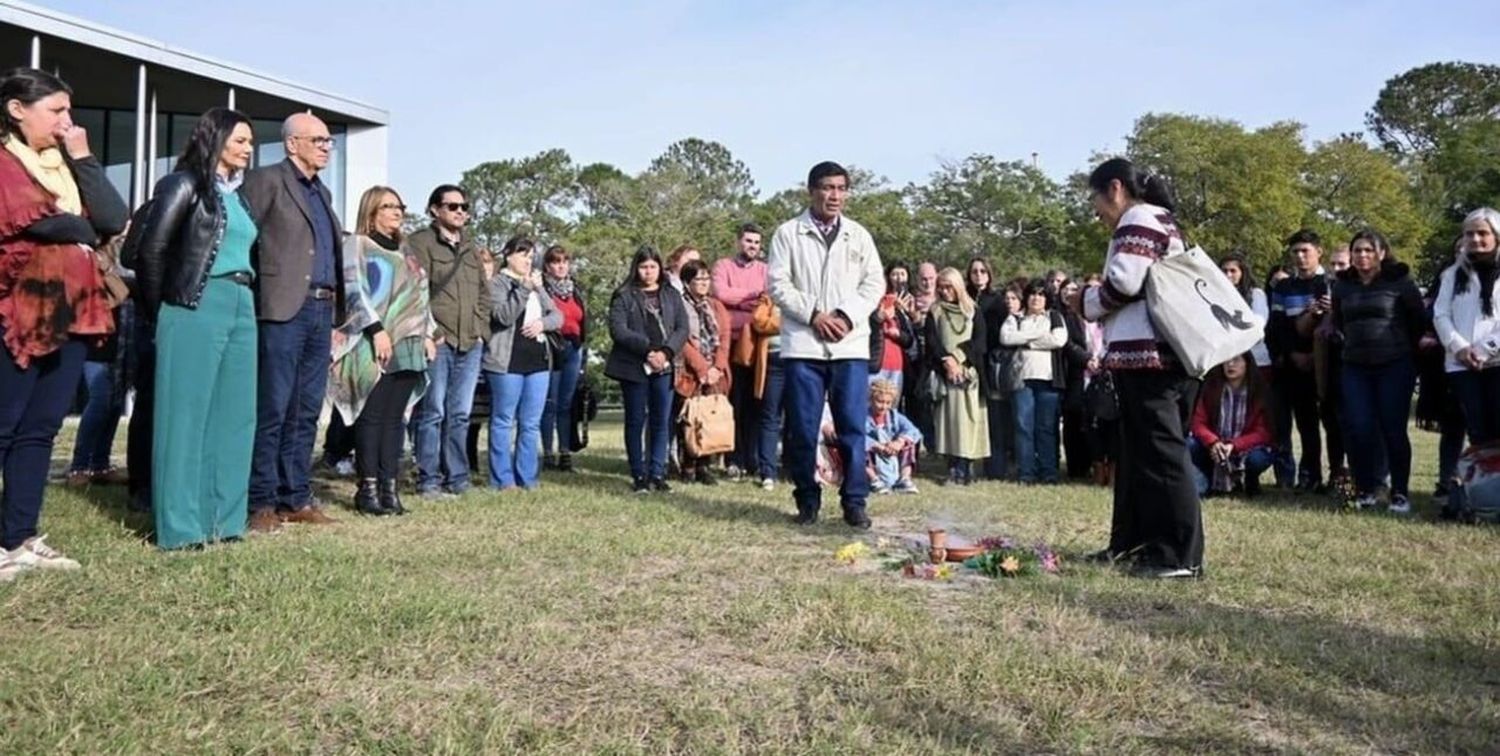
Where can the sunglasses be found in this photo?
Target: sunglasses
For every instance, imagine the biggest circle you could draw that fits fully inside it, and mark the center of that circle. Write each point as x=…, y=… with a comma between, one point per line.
x=455, y=207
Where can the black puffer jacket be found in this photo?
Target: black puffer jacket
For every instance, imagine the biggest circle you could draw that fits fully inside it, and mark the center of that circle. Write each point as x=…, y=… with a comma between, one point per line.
x=1380, y=321
x=173, y=247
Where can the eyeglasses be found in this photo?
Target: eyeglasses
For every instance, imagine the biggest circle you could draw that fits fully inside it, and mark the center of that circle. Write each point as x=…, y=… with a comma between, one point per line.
x=320, y=141
x=455, y=207
x=392, y=206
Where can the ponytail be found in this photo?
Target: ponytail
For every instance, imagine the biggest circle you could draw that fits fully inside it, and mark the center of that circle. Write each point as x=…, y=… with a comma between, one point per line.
x=1147, y=187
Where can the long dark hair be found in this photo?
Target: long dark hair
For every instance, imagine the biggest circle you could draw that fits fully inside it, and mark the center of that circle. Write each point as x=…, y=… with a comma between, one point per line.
x=1256, y=391
x=644, y=253
x=201, y=155
x=1247, y=279
x=968, y=277
x=1147, y=187
x=26, y=85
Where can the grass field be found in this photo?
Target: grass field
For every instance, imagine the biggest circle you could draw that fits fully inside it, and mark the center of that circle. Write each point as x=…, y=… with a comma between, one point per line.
x=581, y=619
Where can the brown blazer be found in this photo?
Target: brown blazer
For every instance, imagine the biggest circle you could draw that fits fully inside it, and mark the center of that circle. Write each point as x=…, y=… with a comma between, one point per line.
x=689, y=380
x=283, y=255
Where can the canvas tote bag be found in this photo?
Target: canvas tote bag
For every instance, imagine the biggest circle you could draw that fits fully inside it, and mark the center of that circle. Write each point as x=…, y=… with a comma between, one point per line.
x=1196, y=310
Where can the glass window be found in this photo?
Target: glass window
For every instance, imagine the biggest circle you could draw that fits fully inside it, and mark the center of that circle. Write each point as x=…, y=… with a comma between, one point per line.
x=119, y=150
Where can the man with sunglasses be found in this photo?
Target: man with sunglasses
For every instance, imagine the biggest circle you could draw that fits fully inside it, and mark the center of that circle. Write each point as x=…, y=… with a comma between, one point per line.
x=299, y=296
x=456, y=272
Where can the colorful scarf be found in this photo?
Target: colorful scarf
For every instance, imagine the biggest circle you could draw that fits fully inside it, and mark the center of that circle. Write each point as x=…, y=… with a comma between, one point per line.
x=393, y=284
x=561, y=288
x=1234, y=405
x=708, y=328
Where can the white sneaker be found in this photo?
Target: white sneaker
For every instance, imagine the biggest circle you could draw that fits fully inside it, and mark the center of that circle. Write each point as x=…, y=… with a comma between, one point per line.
x=1367, y=501
x=1400, y=505
x=9, y=568
x=766, y=484
x=35, y=553
x=344, y=468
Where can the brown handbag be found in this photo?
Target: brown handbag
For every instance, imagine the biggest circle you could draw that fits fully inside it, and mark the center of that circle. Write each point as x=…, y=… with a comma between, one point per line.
x=707, y=425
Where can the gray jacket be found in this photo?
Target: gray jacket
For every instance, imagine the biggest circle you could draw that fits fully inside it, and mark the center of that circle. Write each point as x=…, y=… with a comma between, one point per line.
x=507, y=310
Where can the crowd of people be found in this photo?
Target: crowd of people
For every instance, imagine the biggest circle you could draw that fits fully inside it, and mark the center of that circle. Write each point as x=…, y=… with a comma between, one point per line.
x=238, y=304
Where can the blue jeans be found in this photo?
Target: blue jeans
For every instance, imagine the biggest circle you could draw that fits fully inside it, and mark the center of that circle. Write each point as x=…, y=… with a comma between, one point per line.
x=443, y=419
x=1377, y=403
x=1257, y=461
x=1478, y=394
x=1036, y=406
x=516, y=411
x=293, y=359
x=648, y=415
x=100, y=420
x=770, y=417
x=845, y=385
x=33, y=402
x=557, y=416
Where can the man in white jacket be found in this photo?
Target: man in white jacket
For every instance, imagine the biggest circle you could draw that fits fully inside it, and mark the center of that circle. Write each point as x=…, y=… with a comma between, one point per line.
x=825, y=274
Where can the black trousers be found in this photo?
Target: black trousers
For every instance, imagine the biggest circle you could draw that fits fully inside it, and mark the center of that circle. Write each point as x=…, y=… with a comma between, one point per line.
x=138, y=436
x=1075, y=441
x=338, y=441
x=1297, y=400
x=380, y=429
x=746, y=419
x=1157, y=516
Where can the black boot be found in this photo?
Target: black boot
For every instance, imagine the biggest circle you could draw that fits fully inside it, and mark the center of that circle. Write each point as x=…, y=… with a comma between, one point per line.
x=390, y=500
x=365, y=499
x=565, y=462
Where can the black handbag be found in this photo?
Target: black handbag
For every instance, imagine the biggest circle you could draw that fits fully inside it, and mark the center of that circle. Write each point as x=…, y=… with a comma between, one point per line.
x=1000, y=376
x=1100, y=400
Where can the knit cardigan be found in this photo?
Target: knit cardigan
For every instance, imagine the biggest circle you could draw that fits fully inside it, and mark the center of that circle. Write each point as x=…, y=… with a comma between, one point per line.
x=1146, y=233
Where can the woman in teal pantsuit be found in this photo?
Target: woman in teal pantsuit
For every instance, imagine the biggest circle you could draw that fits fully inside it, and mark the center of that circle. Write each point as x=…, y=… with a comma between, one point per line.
x=195, y=275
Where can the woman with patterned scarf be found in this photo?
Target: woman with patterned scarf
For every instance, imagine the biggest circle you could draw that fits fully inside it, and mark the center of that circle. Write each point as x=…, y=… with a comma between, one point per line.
x=1231, y=439
x=705, y=357
x=956, y=338
x=567, y=357
x=382, y=350
x=55, y=205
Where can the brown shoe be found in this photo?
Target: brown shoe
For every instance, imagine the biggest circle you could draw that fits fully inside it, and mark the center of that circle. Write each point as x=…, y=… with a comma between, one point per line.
x=114, y=476
x=309, y=515
x=79, y=479
x=264, y=521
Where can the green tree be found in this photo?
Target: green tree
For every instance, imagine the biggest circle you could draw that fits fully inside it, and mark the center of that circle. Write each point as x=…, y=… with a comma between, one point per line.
x=1349, y=186
x=1007, y=211
x=1417, y=110
x=533, y=195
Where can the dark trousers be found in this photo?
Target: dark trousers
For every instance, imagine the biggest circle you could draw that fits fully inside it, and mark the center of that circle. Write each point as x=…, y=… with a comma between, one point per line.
x=648, y=424
x=138, y=439
x=294, y=358
x=1075, y=441
x=33, y=403
x=1478, y=394
x=769, y=458
x=380, y=429
x=338, y=440
x=746, y=418
x=1157, y=515
x=1000, y=465
x=1377, y=404
x=99, y=421
x=1331, y=413
x=1035, y=407
x=1297, y=399
x=845, y=386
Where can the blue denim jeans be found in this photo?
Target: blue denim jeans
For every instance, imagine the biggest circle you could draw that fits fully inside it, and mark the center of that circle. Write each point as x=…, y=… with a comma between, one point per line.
x=771, y=416
x=33, y=402
x=100, y=420
x=516, y=403
x=1377, y=403
x=557, y=416
x=293, y=363
x=1257, y=461
x=443, y=419
x=1036, y=407
x=845, y=386
x=648, y=417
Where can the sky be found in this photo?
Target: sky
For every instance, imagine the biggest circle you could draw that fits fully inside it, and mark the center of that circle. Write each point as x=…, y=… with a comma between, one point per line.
x=893, y=87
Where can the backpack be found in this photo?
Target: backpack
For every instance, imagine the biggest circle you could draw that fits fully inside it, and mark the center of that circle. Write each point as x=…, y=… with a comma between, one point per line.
x=1195, y=309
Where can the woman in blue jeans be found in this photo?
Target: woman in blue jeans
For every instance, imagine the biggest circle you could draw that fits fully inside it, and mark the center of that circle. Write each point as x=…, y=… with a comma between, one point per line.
x=103, y=372
x=1378, y=310
x=567, y=362
x=517, y=366
x=648, y=327
x=1038, y=335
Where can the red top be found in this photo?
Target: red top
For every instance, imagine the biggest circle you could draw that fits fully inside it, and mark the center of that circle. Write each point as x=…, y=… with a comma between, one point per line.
x=1256, y=433
x=572, y=312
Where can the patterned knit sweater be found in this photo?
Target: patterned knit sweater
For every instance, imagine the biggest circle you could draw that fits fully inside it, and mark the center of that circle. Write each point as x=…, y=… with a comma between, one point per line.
x=1146, y=233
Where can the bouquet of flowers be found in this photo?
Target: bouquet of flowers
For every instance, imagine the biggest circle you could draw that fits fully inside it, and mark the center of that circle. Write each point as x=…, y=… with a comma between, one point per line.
x=1003, y=557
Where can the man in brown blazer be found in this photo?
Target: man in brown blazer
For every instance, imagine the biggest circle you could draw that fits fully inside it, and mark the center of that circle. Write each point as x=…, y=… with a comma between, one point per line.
x=299, y=295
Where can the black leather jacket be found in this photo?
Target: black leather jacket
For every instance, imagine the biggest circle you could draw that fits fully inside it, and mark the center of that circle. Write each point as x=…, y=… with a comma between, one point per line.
x=172, y=248
x=1382, y=321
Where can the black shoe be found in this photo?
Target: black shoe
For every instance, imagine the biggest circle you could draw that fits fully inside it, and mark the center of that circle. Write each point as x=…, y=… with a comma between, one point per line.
x=704, y=477
x=549, y=462
x=857, y=519
x=806, y=517
x=565, y=463
x=660, y=485
x=366, y=500
x=390, y=499
x=1158, y=572
x=640, y=486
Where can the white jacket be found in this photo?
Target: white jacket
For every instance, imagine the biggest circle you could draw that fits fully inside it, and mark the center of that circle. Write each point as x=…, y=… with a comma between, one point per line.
x=1460, y=321
x=806, y=276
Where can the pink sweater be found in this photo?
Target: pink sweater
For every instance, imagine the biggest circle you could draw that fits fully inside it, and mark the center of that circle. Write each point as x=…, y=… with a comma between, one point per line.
x=739, y=286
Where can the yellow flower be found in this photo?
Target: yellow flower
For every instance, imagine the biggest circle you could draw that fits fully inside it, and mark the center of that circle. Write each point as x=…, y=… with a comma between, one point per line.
x=850, y=553
x=1010, y=565
x=945, y=572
